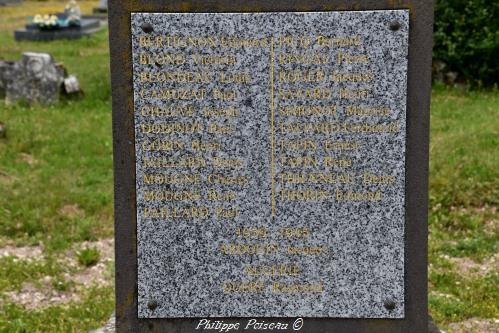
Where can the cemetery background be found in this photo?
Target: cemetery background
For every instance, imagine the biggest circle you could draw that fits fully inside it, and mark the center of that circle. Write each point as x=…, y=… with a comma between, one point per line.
x=56, y=218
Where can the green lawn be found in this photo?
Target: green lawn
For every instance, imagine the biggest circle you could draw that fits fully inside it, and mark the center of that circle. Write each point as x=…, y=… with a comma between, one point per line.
x=56, y=184
x=56, y=193
x=464, y=195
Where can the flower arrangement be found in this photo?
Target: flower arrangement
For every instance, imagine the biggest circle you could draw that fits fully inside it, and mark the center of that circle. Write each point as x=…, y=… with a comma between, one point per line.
x=47, y=21
x=73, y=13
x=70, y=18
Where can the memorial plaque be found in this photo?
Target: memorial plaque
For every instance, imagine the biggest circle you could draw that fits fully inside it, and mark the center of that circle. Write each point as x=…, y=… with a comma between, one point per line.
x=264, y=168
x=270, y=151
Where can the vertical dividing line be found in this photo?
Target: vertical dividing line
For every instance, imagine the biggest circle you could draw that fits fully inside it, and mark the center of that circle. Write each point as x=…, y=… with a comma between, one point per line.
x=272, y=126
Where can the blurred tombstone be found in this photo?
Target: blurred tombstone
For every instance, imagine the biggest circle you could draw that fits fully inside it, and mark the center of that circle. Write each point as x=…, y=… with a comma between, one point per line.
x=9, y=2
x=6, y=68
x=438, y=70
x=67, y=25
x=36, y=78
x=101, y=8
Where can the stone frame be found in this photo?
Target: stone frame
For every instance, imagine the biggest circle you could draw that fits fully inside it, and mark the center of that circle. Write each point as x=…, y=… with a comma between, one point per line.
x=418, y=104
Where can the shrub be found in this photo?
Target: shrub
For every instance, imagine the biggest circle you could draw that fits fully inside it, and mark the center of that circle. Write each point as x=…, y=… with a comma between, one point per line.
x=467, y=38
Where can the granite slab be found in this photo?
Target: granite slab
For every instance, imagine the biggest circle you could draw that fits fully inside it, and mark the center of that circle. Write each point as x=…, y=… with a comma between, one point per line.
x=270, y=163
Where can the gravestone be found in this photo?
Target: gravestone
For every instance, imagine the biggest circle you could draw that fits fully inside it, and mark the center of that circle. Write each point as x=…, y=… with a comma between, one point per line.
x=101, y=8
x=9, y=2
x=36, y=78
x=271, y=165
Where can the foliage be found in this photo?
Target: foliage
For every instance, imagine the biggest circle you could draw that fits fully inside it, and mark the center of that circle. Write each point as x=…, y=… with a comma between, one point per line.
x=467, y=38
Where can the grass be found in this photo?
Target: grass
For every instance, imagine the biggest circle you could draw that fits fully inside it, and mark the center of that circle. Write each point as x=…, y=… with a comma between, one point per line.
x=55, y=158
x=463, y=297
x=59, y=156
x=88, y=256
x=15, y=272
x=464, y=194
x=464, y=141
x=56, y=189
x=80, y=316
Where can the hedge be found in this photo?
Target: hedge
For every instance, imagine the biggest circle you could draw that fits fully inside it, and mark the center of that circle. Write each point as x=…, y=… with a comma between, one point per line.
x=467, y=38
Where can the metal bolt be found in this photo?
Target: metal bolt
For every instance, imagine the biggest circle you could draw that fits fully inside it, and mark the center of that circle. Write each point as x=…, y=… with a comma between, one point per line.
x=152, y=304
x=394, y=26
x=147, y=28
x=389, y=304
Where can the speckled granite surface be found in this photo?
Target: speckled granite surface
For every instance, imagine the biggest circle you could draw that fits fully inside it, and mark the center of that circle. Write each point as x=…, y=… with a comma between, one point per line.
x=359, y=270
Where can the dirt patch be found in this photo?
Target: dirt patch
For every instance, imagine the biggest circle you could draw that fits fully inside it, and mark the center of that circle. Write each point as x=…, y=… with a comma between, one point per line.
x=7, y=179
x=71, y=211
x=31, y=297
x=43, y=294
x=25, y=252
x=443, y=295
x=491, y=226
x=97, y=274
x=467, y=266
x=475, y=325
x=27, y=158
x=105, y=247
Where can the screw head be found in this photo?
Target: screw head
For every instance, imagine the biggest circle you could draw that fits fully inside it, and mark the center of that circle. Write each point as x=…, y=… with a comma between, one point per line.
x=147, y=28
x=389, y=304
x=394, y=26
x=152, y=304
